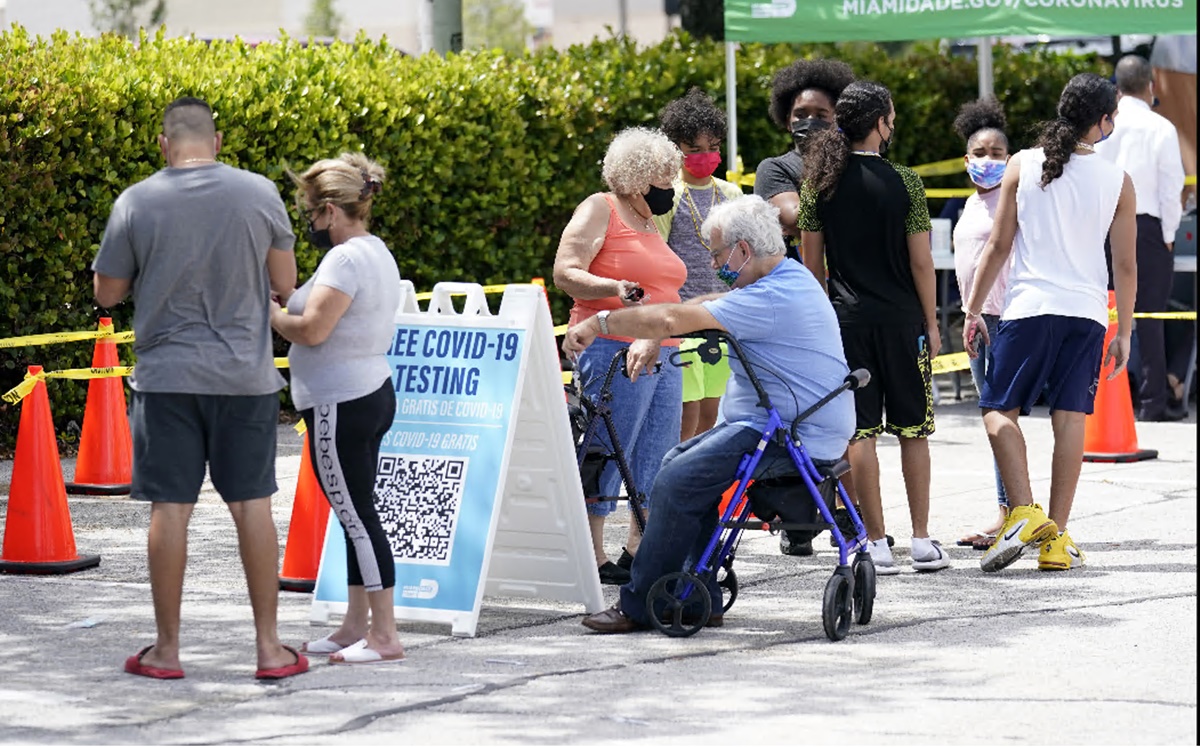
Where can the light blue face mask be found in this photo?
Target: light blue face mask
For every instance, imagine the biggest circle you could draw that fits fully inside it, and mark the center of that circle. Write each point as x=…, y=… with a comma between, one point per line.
x=1104, y=137
x=728, y=276
x=986, y=172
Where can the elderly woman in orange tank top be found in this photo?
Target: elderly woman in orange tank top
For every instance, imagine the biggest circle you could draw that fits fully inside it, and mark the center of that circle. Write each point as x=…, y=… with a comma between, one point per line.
x=611, y=255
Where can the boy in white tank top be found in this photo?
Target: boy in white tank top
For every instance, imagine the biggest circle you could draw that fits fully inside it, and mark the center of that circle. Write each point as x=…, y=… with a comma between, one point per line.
x=1058, y=201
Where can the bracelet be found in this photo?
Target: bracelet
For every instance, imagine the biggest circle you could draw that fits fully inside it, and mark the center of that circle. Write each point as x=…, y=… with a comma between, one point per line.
x=968, y=312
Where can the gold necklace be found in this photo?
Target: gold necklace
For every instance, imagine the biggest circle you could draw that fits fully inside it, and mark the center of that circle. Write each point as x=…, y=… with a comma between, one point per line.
x=649, y=223
x=694, y=211
x=1085, y=146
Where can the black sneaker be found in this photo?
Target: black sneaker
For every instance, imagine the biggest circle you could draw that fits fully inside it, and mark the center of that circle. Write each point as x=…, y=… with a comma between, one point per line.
x=626, y=560
x=612, y=574
x=797, y=543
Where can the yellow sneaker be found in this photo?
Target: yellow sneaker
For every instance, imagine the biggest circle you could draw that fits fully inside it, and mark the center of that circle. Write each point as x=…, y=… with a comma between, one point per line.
x=1060, y=554
x=1025, y=526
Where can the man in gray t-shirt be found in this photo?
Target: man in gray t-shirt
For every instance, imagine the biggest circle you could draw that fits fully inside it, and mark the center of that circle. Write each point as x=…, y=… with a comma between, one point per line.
x=201, y=246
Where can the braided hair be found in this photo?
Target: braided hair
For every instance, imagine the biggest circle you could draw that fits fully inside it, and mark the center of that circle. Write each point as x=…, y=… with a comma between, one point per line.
x=1085, y=101
x=858, y=111
x=976, y=117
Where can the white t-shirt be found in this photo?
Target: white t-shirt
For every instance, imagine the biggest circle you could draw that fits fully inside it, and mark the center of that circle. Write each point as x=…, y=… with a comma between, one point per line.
x=352, y=362
x=971, y=234
x=1058, y=265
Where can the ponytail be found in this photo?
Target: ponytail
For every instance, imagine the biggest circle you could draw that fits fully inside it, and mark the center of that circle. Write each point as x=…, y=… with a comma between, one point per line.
x=825, y=158
x=1086, y=99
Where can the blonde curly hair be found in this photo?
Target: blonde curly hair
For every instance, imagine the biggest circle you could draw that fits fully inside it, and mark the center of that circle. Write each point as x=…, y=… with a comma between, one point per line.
x=638, y=156
x=349, y=181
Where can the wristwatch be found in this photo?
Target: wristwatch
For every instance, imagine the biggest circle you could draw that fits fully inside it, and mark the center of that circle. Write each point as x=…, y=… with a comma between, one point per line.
x=602, y=318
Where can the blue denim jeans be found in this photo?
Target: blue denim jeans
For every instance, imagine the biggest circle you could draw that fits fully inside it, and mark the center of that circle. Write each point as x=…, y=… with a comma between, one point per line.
x=686, y=494
x=646, y=415
x=979, y=366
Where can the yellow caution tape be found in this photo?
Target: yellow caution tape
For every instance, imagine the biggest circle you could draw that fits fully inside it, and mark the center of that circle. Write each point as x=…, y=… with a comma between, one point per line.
x=950, y=362
x=1112, y=315
x=426, y=295
x=22, y=390
x=54, y=338
x=281, y=363
x=301, y=428
x=941, y=168
x=566, y=377
x=560, y=330
x=1189, y=180
x=937, y=193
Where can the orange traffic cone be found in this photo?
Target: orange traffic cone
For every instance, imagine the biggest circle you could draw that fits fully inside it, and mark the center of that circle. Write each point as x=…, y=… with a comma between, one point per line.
x=105, y=463
x=727, y=496
x=38, y=537
x=306, y=531
x=1109, y=434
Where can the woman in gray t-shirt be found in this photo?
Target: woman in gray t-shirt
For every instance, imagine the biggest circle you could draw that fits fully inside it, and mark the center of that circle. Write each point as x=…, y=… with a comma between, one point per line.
x=340, y=324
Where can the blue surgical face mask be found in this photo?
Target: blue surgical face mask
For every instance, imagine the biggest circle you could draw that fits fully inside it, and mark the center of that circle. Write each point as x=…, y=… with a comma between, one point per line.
x=1104, y=137
x=728, y=276
x=986, y=172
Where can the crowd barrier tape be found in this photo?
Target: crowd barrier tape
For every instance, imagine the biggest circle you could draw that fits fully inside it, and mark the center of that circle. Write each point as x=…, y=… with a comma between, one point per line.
x=948, y=363
x=54, y=338
x=20, y=391
x=949, y=167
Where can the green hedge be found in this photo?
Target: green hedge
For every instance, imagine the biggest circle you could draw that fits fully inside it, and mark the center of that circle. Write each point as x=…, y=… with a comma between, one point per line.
x=487, y=154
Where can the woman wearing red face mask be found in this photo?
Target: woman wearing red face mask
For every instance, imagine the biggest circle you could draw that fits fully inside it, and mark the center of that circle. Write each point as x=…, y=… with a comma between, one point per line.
x=697, y=126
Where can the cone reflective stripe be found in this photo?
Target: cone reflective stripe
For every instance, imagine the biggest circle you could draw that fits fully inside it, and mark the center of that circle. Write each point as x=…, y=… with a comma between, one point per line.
x=105, y=462
x=38, y=537
x=1109, y=432
x=306, y=531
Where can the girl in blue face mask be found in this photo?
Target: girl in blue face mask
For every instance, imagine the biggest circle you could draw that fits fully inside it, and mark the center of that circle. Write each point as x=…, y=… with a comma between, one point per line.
x=981, y=124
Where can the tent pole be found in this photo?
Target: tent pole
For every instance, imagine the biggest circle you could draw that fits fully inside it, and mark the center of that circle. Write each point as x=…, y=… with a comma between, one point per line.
x=731, y=162
x=983, y=57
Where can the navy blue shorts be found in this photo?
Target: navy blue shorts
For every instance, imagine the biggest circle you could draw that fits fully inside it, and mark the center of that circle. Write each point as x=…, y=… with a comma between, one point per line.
x=1060, y=354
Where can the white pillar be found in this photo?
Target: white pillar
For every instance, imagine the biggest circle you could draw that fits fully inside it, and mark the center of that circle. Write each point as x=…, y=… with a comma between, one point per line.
x=731, y=160
x=983, y=57
x=441, y=27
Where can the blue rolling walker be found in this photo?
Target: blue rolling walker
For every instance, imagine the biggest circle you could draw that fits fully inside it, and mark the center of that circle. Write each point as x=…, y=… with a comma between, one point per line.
x=680, y=603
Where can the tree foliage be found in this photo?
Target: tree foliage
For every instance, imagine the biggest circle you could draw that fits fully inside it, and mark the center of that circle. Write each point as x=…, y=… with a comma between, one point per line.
x=125, y=17
x=323, y=19
x=487, y=153
x=495, y=24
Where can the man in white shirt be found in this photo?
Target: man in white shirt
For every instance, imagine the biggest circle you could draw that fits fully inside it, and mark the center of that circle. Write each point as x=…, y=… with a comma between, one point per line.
x=1146, y=146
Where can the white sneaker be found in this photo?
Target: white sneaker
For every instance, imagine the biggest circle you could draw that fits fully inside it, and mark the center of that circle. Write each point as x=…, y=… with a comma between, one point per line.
x=928, y=555
x=881, y=558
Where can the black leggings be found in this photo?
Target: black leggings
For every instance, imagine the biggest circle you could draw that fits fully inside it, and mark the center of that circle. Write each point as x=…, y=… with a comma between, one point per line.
x=344, y=441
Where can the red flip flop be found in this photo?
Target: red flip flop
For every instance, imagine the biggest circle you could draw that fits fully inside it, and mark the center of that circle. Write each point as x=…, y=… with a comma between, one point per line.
x=134, y=665
x=278, y=673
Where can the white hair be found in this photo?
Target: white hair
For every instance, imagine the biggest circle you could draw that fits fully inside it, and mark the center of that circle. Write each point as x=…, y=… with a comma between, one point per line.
x=638, y=156
x=749, y=218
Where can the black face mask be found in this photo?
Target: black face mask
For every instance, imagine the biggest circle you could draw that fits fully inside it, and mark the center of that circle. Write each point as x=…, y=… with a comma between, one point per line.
x=320, y=239
x=660, y=201
x=887, y=142
x=802, y=129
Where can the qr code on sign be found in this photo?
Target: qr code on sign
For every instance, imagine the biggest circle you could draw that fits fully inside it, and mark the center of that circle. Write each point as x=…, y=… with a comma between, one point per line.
x=418, y=498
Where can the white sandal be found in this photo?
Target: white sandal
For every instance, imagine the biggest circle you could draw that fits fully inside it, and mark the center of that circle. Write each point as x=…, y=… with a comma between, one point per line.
x=324, y=646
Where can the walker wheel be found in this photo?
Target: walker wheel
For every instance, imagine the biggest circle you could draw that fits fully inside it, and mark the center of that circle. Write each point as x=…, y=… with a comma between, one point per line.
x=864, y=588
x=679, y=604
x=837, y=607
x=728, y=582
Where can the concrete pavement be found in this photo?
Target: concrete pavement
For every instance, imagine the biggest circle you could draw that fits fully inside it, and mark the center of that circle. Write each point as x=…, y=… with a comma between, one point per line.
x=1101, y=655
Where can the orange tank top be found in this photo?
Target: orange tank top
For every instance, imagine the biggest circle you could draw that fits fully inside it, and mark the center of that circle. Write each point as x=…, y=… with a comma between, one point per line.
x=642, y=258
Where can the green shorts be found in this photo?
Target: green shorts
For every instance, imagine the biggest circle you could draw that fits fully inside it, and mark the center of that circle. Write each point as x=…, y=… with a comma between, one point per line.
x=702, y=380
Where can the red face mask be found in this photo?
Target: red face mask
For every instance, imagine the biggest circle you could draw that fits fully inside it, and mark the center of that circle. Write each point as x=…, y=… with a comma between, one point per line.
x=701, y=165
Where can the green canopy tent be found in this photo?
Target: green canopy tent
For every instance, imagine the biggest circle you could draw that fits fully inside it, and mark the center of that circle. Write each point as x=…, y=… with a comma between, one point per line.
x=793, y=21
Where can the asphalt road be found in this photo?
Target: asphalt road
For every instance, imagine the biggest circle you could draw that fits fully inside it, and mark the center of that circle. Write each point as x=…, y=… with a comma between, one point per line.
x=1101, y=655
